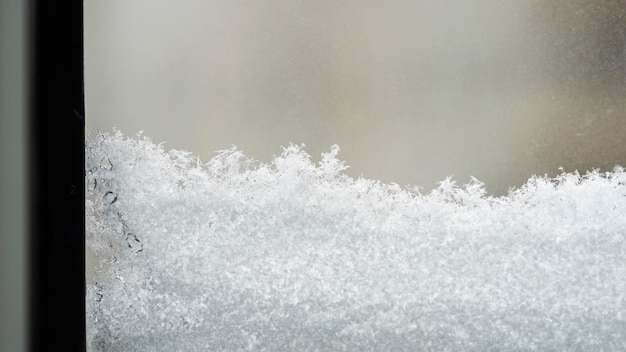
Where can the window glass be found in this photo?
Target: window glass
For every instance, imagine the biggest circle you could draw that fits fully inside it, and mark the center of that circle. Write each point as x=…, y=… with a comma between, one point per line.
x=412, y=91
x=355, y=175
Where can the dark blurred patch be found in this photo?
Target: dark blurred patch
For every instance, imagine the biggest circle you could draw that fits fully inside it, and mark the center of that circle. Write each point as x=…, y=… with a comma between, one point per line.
x=579, y=48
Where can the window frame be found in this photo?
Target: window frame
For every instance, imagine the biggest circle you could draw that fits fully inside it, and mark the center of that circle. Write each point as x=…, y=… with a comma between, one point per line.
x=56, y=198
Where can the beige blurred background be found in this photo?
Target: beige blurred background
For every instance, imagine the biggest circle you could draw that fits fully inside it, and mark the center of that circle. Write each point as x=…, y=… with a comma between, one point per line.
x=411, y=90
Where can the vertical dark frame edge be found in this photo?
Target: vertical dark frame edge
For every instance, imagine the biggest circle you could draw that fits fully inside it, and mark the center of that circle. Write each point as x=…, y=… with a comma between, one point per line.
x=56, y=137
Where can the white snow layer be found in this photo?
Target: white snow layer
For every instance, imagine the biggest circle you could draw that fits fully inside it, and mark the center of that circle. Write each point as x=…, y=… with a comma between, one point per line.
x=291, y=255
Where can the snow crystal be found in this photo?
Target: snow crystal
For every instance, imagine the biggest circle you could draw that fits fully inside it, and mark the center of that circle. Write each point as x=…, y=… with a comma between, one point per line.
x=291, y=255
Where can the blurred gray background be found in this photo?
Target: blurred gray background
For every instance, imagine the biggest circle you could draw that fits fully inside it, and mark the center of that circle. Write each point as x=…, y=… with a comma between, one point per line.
x=411, y=90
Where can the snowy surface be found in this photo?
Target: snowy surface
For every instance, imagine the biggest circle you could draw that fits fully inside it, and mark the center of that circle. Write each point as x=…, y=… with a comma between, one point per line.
x=237, y=255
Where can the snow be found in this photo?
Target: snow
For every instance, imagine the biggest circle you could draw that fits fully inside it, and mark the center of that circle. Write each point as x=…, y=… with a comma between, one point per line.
x=291, y=255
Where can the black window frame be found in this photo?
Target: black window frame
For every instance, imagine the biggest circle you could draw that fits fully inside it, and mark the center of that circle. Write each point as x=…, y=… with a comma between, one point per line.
x=56, y=198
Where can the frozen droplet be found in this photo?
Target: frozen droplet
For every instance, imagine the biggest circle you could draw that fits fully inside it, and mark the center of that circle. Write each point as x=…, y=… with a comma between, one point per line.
x=120, y=228
x=186, y=325
x=110, y=198
x=106, y=164
x=105, y=182
x=92, y=183
x=98, y=292
x=151, y=283
x=133, y=243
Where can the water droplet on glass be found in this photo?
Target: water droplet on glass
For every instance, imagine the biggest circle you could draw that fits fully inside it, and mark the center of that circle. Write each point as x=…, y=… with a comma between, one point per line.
x=106, y=164
x=94, y=169
x=110, y=198
x=133, y=243
x=92, y=183
x=186, y=325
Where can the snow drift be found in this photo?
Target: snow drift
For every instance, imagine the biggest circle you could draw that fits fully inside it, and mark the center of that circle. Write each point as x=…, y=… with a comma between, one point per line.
x=291, y=255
